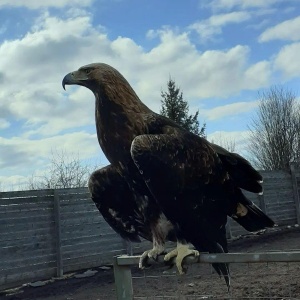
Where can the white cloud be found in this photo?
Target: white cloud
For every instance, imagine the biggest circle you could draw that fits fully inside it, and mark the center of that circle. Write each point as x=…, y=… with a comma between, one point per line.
x=259, y=25
x=209, y=28
x=18, y=153
x=34, y=4
x=4, y=123
x=258, y=75
x=20, y=157
x=238, y=138
x=13, y=183
x=233, y=17
x=213, y=73
x=287, y=30
x=287, y=60
x=33, y=66
x=244, y=4
x=227, y=110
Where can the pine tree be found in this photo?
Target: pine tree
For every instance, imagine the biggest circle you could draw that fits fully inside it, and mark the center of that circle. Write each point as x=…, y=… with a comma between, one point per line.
x=176, y=108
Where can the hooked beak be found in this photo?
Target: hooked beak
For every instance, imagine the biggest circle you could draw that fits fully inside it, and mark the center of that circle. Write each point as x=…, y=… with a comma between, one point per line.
x=75, y=77
x=68, y=79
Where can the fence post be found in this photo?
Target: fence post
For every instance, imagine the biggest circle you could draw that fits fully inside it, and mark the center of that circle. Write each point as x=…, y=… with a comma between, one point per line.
x=228, y=229
x=128, y=247
x=123, y=281
x=295, y=191
x=262, y=203
x=59, y=272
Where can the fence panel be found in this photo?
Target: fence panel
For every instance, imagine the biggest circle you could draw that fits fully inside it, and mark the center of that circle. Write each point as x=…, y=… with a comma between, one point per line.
x=42, y=237
x=86, y=239
x=27, y=237
x=279, y=197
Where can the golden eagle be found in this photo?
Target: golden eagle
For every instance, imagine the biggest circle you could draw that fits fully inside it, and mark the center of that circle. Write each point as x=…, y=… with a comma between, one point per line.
x=163, y=182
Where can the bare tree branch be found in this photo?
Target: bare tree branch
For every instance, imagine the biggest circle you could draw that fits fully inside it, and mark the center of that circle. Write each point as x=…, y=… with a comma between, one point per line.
x=275, y=130
x=228, y=144
x=66, y=171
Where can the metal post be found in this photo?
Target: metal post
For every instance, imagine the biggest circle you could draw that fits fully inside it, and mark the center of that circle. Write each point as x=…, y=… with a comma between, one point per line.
x=59, y=272
x=295, y=191
x=123, y=281
x=128, y=247
x=262, y=203
x=228, y=229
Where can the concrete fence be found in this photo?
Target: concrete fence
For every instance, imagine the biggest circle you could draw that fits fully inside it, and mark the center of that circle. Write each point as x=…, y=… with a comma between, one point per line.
x=47, y=233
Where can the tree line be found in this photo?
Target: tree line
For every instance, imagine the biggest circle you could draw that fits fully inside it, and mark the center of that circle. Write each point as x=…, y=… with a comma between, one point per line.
x=274, y=137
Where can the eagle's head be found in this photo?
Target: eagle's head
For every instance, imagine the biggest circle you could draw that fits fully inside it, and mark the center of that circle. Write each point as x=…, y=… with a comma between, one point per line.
x=107, y=84
x=93, y=76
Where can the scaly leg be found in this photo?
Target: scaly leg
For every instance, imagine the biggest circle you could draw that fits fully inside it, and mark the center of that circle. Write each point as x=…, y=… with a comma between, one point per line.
x=160, y=231
x=180, y=252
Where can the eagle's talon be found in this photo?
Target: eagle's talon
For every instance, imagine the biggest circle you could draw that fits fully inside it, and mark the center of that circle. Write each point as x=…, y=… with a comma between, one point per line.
x=153, y=254
x=170, y=255
x=179, y=260
x=180, y=253
x=143, y=264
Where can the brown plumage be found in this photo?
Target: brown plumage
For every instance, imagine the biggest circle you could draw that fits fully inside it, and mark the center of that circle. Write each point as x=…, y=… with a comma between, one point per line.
x=159, y=169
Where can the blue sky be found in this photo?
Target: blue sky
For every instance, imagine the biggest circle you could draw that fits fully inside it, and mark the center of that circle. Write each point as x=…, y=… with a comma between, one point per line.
x=221, y=53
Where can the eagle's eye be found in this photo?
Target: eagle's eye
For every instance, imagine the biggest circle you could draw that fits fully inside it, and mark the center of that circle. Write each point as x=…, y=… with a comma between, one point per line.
x=87, y=71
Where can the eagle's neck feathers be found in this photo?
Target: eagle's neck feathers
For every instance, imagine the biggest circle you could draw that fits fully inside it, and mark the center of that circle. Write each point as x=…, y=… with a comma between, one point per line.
x=120, y=117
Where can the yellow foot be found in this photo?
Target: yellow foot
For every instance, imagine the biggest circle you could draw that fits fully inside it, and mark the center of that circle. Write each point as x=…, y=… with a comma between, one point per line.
x=153, y=253
x=181, y=252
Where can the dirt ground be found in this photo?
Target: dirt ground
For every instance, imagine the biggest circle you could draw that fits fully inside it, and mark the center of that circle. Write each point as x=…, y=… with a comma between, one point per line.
x=249, y=281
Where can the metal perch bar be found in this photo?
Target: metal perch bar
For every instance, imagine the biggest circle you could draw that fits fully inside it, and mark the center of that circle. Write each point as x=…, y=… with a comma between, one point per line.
x=122, y=264
x=220, y=258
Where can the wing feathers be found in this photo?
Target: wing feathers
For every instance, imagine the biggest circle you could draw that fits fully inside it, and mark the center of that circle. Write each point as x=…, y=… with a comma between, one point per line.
x=115, y=201
x=241, y=171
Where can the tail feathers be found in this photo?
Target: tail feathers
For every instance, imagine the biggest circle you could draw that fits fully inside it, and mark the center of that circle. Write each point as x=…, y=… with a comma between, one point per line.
x=254, y=219
x=245, y=176
x=221, y=268
x=247, y=167
x=249, y=184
